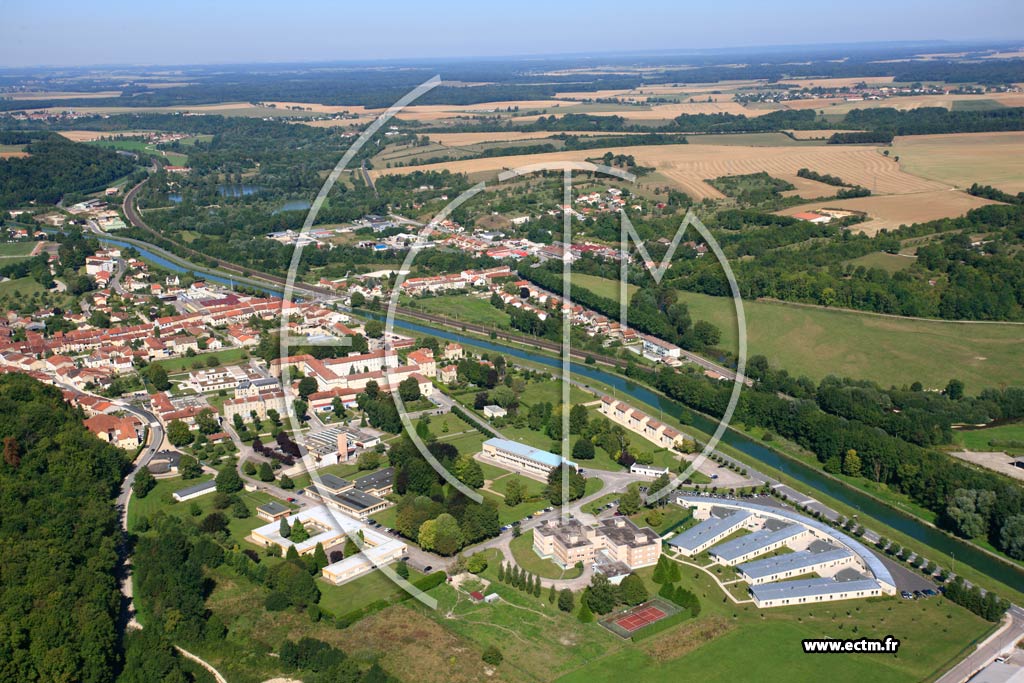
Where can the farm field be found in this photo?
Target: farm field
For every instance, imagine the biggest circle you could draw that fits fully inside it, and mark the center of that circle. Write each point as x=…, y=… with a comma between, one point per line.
x=979, y=439
x=461, y=139
x=13, y=152
x=15, y=251
x=817, y=342
x=890, y=211
x=965, y=158
x=841, y=106
x=889, y=262
x=688, y=166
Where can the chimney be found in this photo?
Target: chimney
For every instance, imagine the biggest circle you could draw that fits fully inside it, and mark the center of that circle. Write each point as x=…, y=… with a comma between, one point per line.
x=639, y=538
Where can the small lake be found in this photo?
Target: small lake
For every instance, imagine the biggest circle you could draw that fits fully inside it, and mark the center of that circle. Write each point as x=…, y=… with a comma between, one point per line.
x=294, y=205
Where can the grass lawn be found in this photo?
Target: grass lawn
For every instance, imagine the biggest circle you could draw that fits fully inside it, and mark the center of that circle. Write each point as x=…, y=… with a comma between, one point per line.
x=464, y=307
x=979, y=439
x=15, y=251
x=522, y=550
x=339, y=600
x=817, y=342
x=184, y=364
x=159, y=500
x=891, y=263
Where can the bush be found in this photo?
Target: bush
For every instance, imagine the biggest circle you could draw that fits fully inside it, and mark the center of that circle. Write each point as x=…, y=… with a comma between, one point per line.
x=492, y=656
x=276, y=601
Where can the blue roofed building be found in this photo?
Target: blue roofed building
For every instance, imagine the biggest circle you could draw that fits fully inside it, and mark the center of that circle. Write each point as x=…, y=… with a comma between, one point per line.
x=521, y=457
x=781, y=567
x=773, y=536
x=803, y=591
x=721, y=523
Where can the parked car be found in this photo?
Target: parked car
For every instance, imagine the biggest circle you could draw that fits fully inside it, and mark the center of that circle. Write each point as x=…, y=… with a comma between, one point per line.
x=291, y=500
x=428, y=569
x=714, y=476
x=930, y=592
x=905, y=595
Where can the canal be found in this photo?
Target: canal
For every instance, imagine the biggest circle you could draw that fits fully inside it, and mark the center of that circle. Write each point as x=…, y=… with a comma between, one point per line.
x=1000, y=570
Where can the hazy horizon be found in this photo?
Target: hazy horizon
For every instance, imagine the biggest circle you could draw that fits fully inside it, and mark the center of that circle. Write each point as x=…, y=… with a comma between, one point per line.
x=118, y=33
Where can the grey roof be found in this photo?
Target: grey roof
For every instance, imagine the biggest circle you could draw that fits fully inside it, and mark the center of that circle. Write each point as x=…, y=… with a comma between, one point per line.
x=790, y=562
x=743, y=545
x=876, y=565
x=808, y=588
x=351, y=498
x=272, y=508
x=377, y=480
x=622, y=531
x=196, y=488
x=708, y=529
x=332, y=482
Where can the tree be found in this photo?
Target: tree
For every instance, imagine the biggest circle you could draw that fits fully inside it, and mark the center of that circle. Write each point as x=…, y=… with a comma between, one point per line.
x=320, y=557
x=368, y=460
x=214, y=523
x=851, y=464
x=468, y=471
x=515, y=491
x=299, y=532
x=657, y=486
x=286, y=482
x=632, y=590
x=266, y=473
x=239, y=510
x=158, y=377
x=144, y=483
x=357, y=300
x=300, y=407
x=1012, y=536
x=178, y=433
x=402, y=569
x=601, y=594
x=477, y=563
x=374, y=329
x=565, y=600
x=409, y=389
x=307, y=386
x=552, y=594
x=206, y=422
x=441, y=535
x=630, y=502
x=583, y=450
x=249, y=468
x=228, y=480
x=578, y=419
x=955, y=390
x=284, y=528
x=584, y=615
x=553, y=491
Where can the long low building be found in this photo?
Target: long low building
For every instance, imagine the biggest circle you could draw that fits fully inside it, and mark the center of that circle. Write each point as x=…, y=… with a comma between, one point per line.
x=720, y=523
x=848, y=569
x=816, y=560
x=803, y=591
x=378, y=550
x=775, y=535
x=524, y=458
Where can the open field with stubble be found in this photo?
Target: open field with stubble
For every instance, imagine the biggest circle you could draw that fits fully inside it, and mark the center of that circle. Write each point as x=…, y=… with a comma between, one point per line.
x=965, y=158
x=688, y=166
x=816, y=342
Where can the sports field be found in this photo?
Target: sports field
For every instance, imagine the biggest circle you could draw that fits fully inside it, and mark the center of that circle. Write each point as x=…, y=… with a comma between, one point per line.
x=625, y=623
x=817, y=342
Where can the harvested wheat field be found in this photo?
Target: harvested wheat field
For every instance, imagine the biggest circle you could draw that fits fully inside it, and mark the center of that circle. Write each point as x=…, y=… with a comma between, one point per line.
x=841, y=106
x=688, y=166
x=461, y=139
x=835, y=82
x=892, y=211
x=90, y=135
x=965, y=158
x=18, y=154
x=817, y=134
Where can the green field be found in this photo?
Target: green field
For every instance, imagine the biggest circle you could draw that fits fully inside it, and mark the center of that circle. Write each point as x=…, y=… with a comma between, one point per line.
x=185, y=363
x=140, y=147
x=891, y=263
x=15, y=251
x=979, y=439
x=463, y=307
x=817, y=342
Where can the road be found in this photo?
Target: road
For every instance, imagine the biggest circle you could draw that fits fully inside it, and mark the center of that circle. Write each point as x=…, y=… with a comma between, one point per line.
x=1003, y=640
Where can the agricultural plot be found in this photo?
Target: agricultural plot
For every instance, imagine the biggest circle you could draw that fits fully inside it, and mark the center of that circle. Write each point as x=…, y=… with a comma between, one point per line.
x=965, y=158
x=816, y=341
x=688, y=166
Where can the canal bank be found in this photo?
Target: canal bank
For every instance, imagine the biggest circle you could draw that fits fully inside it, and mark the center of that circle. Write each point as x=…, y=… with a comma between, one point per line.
x=848, y=500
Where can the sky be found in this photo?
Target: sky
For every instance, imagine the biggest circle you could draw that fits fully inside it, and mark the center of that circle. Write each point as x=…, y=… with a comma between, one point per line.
x=77, y=33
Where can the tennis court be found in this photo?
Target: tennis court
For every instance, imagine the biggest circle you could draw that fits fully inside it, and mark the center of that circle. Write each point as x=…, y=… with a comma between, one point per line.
x=625, y=623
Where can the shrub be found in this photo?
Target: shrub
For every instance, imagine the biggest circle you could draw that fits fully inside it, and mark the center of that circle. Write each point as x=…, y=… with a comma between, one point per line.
x=492, y=656
x=276, y=601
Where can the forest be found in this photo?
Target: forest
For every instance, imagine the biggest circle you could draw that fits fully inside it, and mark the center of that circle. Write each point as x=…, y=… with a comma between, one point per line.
x=58, y=168
x=59, y=598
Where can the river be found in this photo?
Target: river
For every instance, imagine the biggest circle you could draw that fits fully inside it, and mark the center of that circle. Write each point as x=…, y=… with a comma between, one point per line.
x=964, y=552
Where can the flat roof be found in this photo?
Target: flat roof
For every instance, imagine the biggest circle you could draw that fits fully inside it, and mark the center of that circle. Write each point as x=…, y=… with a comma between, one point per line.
x=376, y=480
x=333, y=482
x=189, y=490
x=808, y=588
x=272, y=508
x=522, y=450
x=709, y=528
x=737, y=547
x=876, y=565
x=790, y=561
